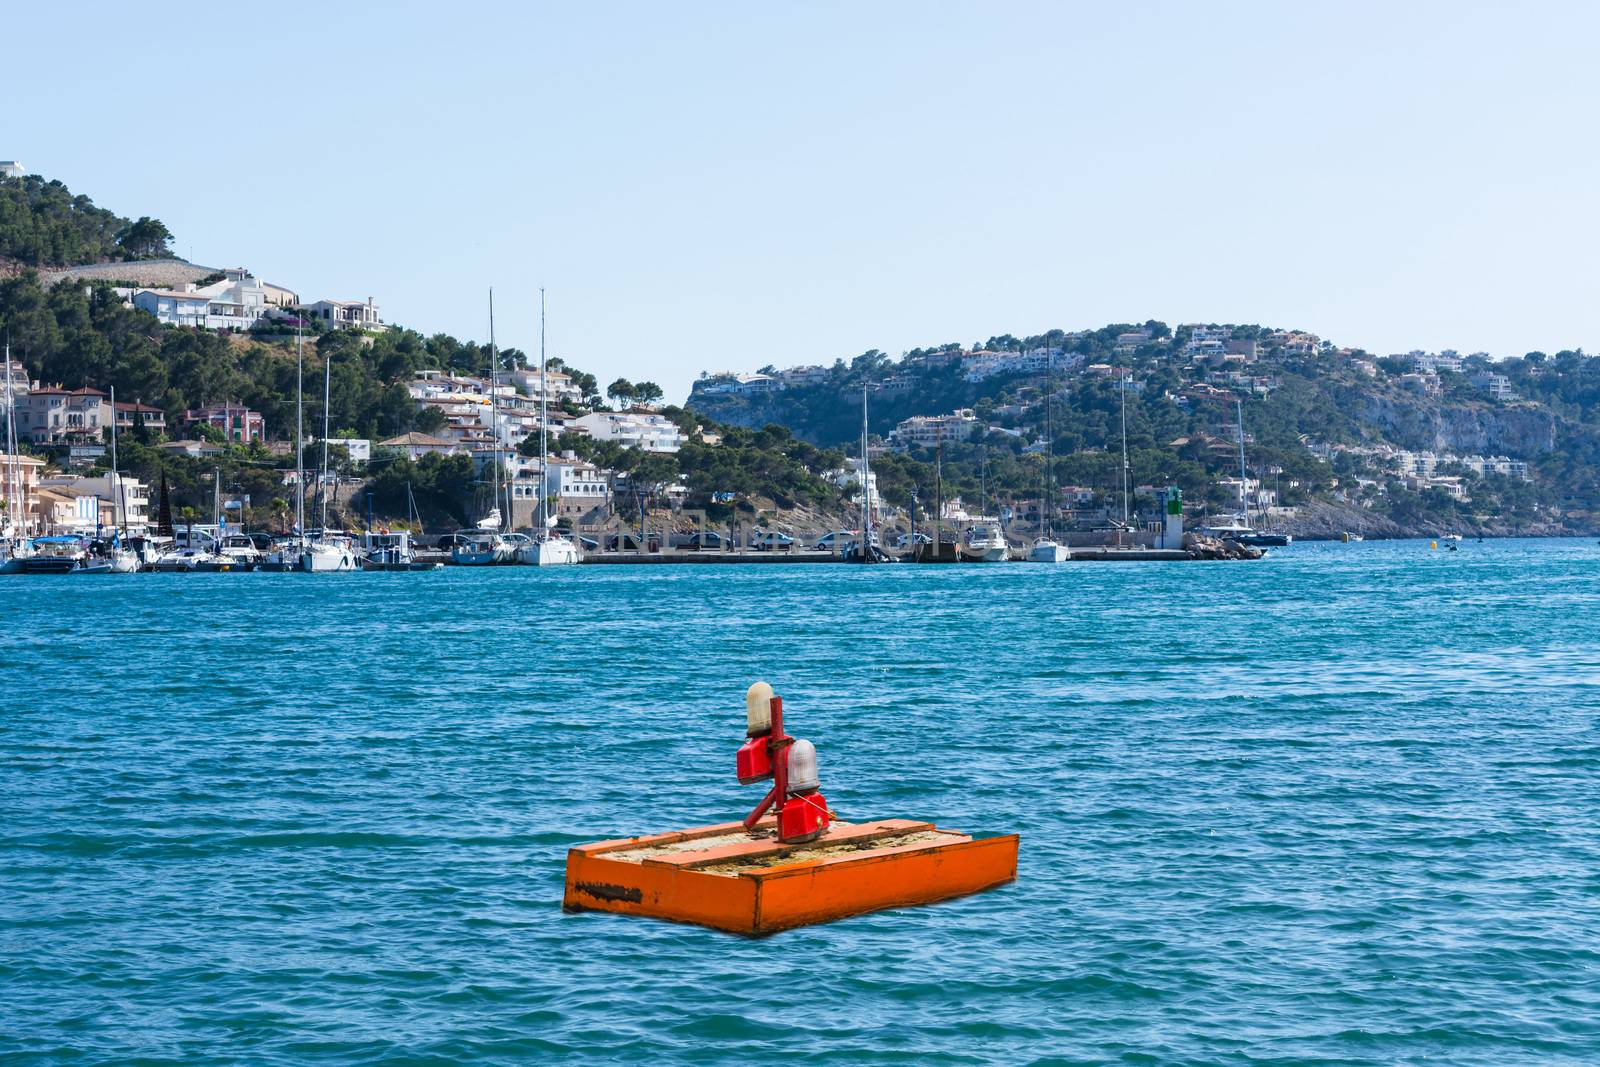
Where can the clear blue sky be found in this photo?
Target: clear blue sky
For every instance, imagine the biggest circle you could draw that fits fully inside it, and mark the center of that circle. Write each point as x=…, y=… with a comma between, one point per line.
x=704, y=186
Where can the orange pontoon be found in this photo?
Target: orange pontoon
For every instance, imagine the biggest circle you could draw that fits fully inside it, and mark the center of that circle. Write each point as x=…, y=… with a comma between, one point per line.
x=722, y=877
x=795, y=866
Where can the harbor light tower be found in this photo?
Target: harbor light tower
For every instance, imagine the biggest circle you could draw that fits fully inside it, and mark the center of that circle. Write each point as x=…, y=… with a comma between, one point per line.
x=1172, y=516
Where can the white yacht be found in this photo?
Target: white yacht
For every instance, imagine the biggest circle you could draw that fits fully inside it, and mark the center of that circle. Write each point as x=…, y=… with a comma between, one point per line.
x=482, y=548
x=386, y=551
x=123, y=560
x=983, y=543
x=194, y=558
x=243, y=551
x=327, y=554
x=62, y=554
x=551, y=550
x=1047, y=550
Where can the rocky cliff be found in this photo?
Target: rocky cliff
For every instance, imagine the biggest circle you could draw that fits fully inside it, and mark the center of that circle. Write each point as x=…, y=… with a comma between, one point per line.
x=1524, y=431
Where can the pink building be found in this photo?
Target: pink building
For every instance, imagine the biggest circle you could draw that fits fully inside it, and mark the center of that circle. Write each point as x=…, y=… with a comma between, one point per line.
x=238, y=423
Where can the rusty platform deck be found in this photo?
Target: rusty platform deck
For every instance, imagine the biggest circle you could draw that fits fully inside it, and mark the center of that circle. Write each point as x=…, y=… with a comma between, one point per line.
x=722, y=877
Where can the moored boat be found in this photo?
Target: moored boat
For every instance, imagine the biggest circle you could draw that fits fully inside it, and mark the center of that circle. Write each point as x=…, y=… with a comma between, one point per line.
x=984, y=543
x=1046, y=550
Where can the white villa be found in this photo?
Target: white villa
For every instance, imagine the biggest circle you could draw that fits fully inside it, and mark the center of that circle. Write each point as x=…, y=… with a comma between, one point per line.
x=576, y=487
x=926, y=431
x=344, y=314
x=416, y=445
x=632, y=429
x=235, y=303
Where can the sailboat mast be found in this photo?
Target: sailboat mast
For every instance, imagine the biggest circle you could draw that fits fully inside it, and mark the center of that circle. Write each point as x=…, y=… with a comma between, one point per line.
x=116, y=473
x=494, y=409
x=327, y=392
x=544, y=432
x=1049, y=440
x=11, y=451
x=1244, y=506
x=1124, y=451
x=866, y=481
x=299, y=435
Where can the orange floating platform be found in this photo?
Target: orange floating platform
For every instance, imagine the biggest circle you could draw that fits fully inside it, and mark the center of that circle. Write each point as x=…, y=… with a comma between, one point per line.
x=723, y=877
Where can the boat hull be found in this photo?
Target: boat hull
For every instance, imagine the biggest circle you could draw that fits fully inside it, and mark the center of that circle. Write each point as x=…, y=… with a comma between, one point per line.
x=1049, y=552
x=556, y=552
x=321, y=559
x=48, y=565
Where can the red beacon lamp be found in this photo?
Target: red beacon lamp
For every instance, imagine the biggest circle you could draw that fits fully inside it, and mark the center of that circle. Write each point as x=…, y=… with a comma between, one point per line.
x=795, y=798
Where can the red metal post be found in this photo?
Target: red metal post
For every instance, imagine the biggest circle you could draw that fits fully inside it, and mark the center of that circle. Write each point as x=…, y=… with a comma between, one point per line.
x=778, y=747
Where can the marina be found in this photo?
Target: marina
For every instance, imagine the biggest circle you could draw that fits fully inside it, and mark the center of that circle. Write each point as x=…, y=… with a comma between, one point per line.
x=364, y=820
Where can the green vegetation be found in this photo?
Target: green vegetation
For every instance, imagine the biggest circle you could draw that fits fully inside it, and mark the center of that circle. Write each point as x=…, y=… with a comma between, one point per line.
x=42, y=224
x=1184, y=436
x=770, y=464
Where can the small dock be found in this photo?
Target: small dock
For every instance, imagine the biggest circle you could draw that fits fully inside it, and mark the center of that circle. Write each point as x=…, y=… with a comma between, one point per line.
x=709, y=557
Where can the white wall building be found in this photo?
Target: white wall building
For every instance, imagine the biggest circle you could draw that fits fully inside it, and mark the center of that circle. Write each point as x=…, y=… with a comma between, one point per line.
x=1497, y=386
x=850, y=475
x=926, y=431
x=344, y=314
x=799, y=377
x=575, y=487
x=132, y=511
x=1207, y=340
x=174, y=307
x=11, y=168
x=632, y=429
x=528, y=382
x=236, y=302
x=416, y=445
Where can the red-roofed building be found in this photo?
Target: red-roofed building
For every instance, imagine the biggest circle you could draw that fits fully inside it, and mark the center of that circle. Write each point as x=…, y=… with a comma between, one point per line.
x=239, y=425
x=55, y=415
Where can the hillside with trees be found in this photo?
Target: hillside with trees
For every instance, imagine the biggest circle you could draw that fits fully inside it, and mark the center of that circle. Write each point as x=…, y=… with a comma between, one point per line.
x=1317, y=419
x=43, y=224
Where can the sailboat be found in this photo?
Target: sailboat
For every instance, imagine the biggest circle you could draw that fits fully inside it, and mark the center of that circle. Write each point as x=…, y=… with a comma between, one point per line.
x=865, y=550
x=123, y=560
x=548, y=548
x=329, y=552
x=14, y=544
x=483, y=545
x=287, y=551
x=1046, y=549
x=941, y=546
x=1240, y=529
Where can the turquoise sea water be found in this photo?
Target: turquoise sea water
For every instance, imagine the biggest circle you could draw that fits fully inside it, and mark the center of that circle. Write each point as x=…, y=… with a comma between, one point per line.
x=1338, y=806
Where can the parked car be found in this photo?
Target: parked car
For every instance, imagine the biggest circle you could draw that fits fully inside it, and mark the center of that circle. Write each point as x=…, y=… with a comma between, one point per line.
x=837, y=541
x=709, y=540
x=630, y=542
x=770, y=541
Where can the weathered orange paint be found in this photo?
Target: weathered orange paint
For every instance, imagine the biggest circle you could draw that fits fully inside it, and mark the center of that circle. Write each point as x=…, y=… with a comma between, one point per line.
x=759, y=848
x=764, y=900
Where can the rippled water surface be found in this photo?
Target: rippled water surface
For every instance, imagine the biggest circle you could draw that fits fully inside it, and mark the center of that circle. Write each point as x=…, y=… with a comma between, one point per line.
x=1340, y=805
